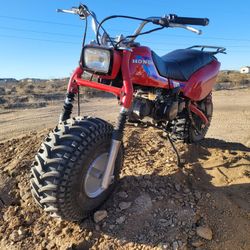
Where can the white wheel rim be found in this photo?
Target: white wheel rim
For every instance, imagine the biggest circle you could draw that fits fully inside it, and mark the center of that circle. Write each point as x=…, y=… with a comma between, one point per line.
x=93, y=179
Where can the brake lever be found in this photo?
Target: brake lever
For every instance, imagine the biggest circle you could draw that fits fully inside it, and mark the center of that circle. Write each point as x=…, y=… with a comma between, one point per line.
x=71, y=11
x=176, y=25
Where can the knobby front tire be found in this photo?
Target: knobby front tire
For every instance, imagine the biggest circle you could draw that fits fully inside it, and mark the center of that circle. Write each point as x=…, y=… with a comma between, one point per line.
x=69, y=166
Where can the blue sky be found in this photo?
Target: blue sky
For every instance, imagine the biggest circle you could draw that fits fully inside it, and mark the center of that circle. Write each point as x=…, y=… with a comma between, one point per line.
x=35, y=41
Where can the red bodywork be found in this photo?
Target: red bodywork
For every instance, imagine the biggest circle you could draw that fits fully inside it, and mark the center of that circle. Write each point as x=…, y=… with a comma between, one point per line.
x=143, y=72
x=138, y=68
x=201, y=82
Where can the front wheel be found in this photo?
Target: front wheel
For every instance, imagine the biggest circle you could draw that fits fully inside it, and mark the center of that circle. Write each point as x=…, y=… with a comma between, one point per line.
x=67, y=173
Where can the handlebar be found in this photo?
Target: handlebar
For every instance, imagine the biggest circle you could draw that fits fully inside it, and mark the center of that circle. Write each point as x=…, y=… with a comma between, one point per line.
x=174, y=21
x=171, y=20
x=188, y=20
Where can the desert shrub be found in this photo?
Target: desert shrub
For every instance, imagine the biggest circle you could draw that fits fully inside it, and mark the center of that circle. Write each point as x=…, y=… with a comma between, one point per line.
x=2, y=100
x=21, y=85
x=2, y=91
x=22, y=99
x=224, y=78
x=244, y=82
x=223, y=85
x=232, y=79
x=13, y=89
x=88, y=92
x=19, y=105
x=8, y=91
x=29, y=89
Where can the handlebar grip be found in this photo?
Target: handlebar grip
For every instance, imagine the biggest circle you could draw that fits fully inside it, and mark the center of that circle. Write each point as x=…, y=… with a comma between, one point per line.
x=189, y=20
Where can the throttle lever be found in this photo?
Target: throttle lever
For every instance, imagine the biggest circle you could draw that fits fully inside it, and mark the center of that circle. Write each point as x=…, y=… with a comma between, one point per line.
x=164, y=21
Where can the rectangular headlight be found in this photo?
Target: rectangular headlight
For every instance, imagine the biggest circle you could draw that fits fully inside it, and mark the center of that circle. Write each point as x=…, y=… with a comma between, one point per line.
x=97, y=59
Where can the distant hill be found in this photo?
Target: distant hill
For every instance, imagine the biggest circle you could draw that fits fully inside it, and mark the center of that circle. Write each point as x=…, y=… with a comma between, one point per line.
x=35, y=92
x=32, y=80
x=8, y=80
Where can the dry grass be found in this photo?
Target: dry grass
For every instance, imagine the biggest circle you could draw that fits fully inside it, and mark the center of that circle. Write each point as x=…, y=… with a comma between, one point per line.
x=36, y=94
x=232, y=80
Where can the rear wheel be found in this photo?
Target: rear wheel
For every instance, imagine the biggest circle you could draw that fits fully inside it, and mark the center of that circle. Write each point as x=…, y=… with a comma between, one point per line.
x=67, y=173
x=199, y=131
x=184, y=130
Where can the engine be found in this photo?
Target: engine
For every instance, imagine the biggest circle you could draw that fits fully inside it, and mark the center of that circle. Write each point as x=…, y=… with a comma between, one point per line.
x=159, y=107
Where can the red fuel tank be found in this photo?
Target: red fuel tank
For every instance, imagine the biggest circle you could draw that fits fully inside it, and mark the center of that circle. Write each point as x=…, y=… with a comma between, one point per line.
x=143, y=71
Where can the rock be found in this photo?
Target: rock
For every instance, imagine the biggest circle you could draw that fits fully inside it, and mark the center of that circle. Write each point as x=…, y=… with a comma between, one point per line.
x=122, y=194
x=21, y=231
x=197, y=243
x=177, y=187
x=15, y=236
x=165, y=223
x=164, y=246
x=100, y=215
x=197, y=195
x=29, y=220
x=175, y=245
x=124, y=205
x=152, y=234
x=186, y=190
x=97, y=227
x=111, y=227
x=142, y=203
x=26, y=196
x=204, y=232
x=121, y=219
x=179, y=245
x=208, y=195
x=38, y=230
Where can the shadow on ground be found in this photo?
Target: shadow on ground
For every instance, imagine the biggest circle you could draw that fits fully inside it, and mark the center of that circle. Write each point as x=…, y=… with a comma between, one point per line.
x=167, y=209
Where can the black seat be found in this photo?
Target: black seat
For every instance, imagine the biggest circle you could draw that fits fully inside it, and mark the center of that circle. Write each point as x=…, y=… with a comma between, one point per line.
x=182, y=63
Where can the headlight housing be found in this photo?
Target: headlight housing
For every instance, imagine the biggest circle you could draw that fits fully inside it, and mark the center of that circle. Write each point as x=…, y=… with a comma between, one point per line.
x=97, y=59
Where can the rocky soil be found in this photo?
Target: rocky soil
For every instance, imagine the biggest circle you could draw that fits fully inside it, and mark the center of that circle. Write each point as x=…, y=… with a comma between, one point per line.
x=205, y=205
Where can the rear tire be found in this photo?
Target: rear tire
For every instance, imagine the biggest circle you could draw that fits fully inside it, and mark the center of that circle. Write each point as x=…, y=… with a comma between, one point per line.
x=199, y=132
x=61, y=181
x=184, y=130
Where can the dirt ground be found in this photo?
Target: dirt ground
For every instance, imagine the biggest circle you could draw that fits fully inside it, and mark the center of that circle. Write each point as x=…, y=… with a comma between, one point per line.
x=156, y=205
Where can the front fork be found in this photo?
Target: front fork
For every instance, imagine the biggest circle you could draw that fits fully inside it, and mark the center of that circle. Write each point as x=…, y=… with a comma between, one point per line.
x=126, y=100
x=114, y=149
x=116, y=142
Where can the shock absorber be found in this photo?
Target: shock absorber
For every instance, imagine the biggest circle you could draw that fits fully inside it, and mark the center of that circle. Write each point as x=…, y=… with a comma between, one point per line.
x=67, y=107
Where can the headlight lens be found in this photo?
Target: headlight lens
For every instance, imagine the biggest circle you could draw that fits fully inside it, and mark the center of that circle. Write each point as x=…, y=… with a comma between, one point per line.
x=97, y=60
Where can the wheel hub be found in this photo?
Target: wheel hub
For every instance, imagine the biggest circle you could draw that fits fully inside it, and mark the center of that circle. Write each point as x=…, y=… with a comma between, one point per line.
x=93, y=179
